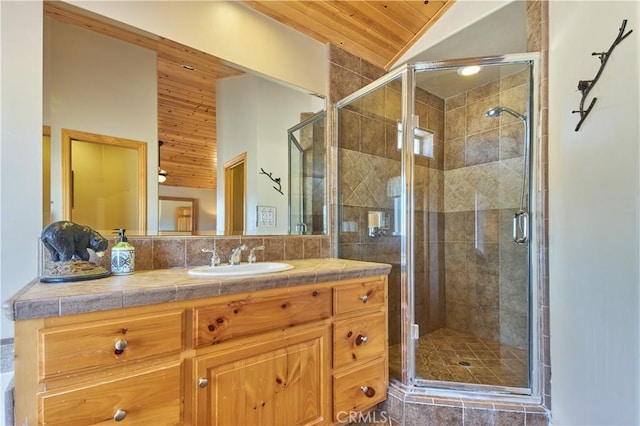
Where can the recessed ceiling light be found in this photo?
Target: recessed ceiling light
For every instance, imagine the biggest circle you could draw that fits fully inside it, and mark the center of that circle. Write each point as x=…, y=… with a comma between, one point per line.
x=470, y=70
x=189, y=67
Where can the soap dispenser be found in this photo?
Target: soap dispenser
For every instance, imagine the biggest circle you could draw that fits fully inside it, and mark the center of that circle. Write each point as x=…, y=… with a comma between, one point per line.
x=122, y=255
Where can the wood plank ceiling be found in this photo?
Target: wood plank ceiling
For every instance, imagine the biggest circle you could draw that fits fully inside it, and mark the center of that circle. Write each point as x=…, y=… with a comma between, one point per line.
x=187, y=114
x=377, y=31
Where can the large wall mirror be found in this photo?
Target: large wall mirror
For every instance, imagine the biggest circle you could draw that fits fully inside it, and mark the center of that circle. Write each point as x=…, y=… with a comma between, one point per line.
x=108, y=85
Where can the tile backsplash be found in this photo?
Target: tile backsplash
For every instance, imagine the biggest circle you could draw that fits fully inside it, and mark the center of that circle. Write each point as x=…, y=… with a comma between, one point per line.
x=162, y=252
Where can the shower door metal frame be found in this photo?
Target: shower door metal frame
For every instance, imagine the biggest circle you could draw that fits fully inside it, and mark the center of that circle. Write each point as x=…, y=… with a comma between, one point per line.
x=291, y=138
x=408, y=382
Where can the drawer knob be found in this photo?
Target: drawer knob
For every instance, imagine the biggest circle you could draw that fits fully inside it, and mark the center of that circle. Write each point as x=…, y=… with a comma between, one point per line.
x=364, y=298
x=120, y=346
x=368, y=391
x=202, y=382
x=119, y=415
x=361, y=339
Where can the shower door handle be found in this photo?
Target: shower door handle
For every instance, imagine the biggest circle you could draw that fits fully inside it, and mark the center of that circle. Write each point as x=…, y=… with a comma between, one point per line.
x=521, y=227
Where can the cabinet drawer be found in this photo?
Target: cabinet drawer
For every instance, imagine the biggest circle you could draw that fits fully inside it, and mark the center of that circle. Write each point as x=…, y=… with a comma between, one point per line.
x=359, y=388
x=103, y=344
x=358, y=339
x=216, y=323
x=147, y=398
x=355, y=297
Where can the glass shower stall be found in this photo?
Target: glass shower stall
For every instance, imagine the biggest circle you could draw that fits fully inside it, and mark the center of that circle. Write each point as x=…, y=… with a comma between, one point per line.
x=434, y=177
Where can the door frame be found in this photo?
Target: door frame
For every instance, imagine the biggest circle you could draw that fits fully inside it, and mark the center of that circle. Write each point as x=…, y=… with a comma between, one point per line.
x=233, y=189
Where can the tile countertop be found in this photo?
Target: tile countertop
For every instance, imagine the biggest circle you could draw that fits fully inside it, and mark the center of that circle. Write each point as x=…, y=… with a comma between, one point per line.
x=40, y=300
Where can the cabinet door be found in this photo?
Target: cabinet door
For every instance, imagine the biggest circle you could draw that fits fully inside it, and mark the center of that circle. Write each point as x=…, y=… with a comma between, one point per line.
x=279, y=380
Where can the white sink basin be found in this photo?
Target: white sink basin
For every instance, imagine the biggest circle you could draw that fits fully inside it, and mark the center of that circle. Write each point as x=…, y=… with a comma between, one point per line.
x=239, y=270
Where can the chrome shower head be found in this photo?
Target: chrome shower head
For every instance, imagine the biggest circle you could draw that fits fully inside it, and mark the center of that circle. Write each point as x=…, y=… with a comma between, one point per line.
x=497, y=112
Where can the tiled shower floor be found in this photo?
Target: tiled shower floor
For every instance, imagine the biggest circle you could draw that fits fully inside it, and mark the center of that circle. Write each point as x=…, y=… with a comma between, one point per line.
x=453, y=356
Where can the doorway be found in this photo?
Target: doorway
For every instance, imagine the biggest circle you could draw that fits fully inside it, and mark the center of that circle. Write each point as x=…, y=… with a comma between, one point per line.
x=235, y=178
x=104, y=182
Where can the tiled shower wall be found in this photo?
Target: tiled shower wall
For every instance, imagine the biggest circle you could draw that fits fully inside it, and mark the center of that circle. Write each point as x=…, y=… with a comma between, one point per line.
x=347, y=74
x=466, y=278
x=486, y=272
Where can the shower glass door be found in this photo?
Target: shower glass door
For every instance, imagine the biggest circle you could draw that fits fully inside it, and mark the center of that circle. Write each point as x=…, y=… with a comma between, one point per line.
x=433, y=178
x=471, y=230
x=370, y=193
x=306, y=175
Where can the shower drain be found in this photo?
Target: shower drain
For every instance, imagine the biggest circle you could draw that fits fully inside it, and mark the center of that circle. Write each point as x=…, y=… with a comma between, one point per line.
x=465, y=363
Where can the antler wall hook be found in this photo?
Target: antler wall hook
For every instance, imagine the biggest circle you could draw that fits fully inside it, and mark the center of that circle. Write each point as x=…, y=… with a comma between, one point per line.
x=585, y=86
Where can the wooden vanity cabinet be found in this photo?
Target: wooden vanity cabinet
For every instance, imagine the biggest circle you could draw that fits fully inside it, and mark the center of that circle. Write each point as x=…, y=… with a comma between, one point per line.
x=101, y=367
x=287, y=356
x=360, y=346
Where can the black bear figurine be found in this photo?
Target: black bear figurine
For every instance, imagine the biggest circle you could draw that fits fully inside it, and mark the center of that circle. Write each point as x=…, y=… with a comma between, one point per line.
x=67, y=240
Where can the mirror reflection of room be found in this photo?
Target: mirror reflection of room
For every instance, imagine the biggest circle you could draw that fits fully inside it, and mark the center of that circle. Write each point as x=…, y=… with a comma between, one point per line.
x=103, y=182
x=96, y=83
x=177, y=216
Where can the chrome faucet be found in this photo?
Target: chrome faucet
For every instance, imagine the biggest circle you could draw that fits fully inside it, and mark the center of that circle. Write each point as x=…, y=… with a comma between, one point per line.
x=234, y=257
x=252, y=254
x=215, y=258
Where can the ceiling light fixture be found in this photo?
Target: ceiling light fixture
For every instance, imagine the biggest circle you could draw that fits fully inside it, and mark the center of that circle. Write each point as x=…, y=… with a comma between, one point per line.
x=189, y=67
x=470, y=70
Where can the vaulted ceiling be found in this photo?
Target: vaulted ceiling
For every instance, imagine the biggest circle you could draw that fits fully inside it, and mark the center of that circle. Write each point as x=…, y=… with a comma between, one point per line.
x=377, y=31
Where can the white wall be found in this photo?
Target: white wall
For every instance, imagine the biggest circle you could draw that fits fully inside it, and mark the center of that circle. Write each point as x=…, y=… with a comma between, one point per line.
x=97, y=84
x=237, y=132
x=594, y=224
x=20, y=146
x=21, y=112
x=460, y=15
x=230, y=31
